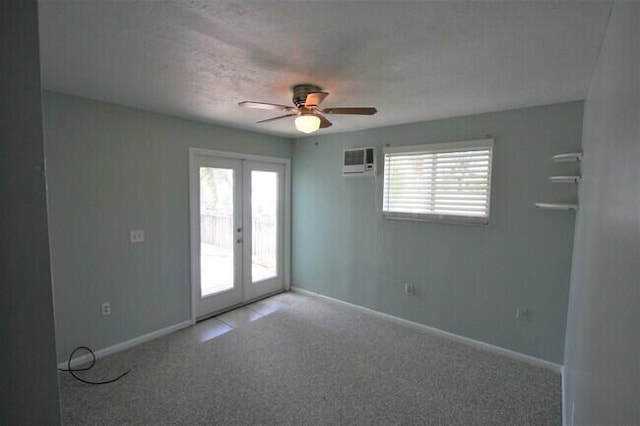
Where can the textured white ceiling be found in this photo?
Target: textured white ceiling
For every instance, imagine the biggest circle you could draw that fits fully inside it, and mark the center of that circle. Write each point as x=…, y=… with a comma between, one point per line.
x=414, y=61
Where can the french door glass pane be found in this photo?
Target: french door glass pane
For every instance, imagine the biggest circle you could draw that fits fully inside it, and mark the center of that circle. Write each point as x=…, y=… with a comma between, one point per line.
x=216, y=230
x=264, y=231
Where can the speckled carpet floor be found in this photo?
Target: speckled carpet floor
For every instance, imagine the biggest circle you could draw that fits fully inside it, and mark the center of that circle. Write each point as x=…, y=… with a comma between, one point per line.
x=300, y=360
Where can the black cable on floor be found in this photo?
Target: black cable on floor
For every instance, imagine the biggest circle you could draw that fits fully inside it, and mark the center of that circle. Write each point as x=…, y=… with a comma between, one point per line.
x=72, y=371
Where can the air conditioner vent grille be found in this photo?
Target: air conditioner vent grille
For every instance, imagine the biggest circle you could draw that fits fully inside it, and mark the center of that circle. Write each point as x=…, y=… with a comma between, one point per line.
x=354, y=157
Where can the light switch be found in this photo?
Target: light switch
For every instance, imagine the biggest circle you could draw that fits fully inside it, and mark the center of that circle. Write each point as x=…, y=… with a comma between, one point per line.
x=137, y=235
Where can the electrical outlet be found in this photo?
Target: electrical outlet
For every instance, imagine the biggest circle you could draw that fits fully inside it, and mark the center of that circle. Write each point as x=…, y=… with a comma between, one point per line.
x=137, y=235
x=523, y=313
x=105, y=308
x=408, y=289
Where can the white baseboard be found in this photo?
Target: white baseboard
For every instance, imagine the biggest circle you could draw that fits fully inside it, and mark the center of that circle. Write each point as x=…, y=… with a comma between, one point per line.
x=125, y=345
x=451, y=336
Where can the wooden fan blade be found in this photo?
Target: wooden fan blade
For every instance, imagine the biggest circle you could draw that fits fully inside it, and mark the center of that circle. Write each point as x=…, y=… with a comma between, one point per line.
x=351, y=110
x=276, y=118
x=324, y=123
x=314, y=98
x=262, y=105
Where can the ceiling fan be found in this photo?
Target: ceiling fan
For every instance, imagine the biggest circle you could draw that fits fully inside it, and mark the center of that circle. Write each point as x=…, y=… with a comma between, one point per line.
x=309, y=117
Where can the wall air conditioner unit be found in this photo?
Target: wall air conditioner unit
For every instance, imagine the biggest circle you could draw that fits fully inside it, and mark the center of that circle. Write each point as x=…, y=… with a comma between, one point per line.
x=359, y=162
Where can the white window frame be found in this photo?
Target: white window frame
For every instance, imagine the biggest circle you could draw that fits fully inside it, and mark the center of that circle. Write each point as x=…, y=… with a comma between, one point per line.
x=471, y=145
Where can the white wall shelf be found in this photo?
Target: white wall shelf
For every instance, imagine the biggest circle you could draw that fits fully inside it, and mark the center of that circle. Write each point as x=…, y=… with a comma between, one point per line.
x=568, y=157
x=554, y=206
x=574, y=157
x=565, y=179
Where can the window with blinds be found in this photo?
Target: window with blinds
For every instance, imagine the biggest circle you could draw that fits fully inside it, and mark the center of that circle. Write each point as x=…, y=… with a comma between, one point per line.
x=448, y=182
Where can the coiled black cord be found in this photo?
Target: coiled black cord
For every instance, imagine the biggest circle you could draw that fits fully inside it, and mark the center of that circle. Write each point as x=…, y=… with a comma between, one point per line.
x=73, y=371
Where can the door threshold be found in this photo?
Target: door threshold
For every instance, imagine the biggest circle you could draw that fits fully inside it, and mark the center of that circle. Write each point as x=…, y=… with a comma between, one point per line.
x=237, y=306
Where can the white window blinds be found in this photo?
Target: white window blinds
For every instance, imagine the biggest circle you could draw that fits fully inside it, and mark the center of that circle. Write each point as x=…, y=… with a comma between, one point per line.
x=449, y=182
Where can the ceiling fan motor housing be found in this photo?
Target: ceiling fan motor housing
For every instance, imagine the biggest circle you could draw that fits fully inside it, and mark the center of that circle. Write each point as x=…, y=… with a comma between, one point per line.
x=301, y=91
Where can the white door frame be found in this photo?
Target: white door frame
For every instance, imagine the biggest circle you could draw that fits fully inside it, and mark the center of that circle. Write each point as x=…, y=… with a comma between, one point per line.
x=194, y=213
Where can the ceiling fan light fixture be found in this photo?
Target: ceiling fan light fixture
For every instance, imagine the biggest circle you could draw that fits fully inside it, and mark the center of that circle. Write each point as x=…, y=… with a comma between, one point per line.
x=307, y=123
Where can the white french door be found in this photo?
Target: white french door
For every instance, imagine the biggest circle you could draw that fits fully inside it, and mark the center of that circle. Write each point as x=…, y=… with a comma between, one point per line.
x=237, y=231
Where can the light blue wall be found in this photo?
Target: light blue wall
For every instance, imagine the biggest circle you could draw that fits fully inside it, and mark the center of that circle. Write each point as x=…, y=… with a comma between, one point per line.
x=28, y=376
x=468, y=279
x=602, y=359
x=112, y=169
